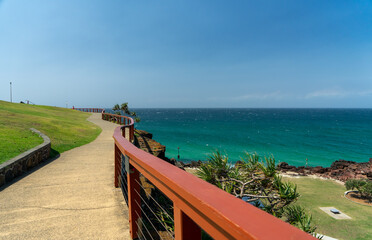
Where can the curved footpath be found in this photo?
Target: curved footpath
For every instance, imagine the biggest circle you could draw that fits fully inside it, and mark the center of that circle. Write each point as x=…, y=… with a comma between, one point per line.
x=72, y=197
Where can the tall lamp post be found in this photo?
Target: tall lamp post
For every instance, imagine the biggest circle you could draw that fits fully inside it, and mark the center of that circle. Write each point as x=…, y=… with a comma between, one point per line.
x=11, y=100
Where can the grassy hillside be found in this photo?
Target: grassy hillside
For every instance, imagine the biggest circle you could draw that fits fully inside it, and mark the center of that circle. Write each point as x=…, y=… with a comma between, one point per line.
x=317, y=193
x=66, y=128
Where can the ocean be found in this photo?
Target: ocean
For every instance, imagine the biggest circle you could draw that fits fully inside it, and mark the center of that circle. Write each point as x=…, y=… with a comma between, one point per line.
x=292, y=135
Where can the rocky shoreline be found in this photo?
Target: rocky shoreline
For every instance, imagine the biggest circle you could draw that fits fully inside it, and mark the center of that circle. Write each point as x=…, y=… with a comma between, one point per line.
x=341, y=170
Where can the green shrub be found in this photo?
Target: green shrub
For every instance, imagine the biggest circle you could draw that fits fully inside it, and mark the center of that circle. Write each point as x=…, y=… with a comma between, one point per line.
x=257, y=182
x=363, y=186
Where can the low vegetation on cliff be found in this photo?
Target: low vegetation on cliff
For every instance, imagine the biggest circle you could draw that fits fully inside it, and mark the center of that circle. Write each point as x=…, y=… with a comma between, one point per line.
x=363, y=186
x=66, y=128
x=257, y=182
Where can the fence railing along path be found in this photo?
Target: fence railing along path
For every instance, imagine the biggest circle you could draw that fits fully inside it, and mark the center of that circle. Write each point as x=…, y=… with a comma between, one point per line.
x=187, y=206
x=94, y=110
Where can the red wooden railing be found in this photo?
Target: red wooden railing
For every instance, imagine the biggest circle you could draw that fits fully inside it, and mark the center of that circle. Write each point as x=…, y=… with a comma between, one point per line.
x=197, y=204
x=94, y=110
x=127, y=122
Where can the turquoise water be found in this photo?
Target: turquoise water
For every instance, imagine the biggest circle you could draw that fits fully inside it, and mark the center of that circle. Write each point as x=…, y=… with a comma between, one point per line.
x=291, y=135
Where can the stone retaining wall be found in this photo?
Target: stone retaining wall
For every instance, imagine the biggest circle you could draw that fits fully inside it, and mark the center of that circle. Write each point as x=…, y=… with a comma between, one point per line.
x=25, y=161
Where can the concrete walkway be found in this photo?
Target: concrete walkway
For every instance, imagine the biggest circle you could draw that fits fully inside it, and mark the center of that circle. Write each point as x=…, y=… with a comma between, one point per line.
x=72, y=197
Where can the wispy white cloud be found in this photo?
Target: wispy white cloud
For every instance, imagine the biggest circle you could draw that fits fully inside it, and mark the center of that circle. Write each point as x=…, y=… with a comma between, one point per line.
x=251, y=96
x=336, y=93
x=259, y=96
x=364, y=93
x=327, y=93
x=278, y=96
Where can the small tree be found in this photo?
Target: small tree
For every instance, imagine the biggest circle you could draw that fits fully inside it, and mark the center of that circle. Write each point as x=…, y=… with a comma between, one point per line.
x=256, y=182
x=116, y=109
x=297, y=216
x=125, y=109
x=363, y=186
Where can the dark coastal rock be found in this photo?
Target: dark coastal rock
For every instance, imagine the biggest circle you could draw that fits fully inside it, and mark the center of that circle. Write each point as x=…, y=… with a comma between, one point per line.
x=180, y=165
x=143, y=133
x=340, y=170
x=319, y=169
x=145, y=142
x=195, y=164
x=282, y=165
x=171, y=161
x=192, y=164
x=341, y=164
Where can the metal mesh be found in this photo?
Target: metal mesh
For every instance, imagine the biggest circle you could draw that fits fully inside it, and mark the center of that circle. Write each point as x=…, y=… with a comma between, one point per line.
x=155, y=219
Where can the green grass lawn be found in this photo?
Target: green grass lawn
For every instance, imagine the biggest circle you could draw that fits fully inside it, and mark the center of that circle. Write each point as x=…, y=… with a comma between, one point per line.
x=66, y=128
x=317, y=193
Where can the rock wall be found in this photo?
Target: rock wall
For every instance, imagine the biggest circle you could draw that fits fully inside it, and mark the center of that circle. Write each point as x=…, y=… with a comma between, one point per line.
x=144, y=141
x=25, y=161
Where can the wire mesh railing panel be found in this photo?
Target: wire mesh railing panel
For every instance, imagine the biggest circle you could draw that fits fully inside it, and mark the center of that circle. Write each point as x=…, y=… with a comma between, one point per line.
x=123, y=183
x=144, y=178
x=154, y=210
x=157, y=210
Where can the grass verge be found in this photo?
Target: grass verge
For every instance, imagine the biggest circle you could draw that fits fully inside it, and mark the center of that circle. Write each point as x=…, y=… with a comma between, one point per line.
x=66, y=128
x=317, y=193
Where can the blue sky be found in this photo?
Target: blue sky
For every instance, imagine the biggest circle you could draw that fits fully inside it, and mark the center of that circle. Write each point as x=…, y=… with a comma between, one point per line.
x=216, y=53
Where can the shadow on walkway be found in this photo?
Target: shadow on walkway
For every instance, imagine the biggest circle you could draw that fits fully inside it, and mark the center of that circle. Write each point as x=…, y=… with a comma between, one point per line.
x=54, y=156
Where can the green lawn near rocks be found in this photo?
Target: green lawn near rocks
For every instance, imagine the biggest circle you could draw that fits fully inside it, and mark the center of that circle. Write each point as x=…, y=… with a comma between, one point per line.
x=66, y=128
x=317, y=193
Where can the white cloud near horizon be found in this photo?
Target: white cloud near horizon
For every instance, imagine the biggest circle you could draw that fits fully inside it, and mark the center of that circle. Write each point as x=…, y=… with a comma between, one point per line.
x=260, y=96
x=278, y=95
x=252, y=96
x=336, y=93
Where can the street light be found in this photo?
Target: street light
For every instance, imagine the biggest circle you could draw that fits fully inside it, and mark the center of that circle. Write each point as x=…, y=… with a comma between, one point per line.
x=11, y=92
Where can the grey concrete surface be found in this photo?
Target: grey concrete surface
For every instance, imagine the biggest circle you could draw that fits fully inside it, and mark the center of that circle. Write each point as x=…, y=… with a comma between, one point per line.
x=339, y=216
x=72, y=197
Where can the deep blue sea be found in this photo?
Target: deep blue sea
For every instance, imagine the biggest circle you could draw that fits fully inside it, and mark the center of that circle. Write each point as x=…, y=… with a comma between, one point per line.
x=291, y=135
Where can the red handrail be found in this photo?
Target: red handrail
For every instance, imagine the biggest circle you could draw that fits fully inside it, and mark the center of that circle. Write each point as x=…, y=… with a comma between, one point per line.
x=127, y=123
x=95, y=110
x=196, y=202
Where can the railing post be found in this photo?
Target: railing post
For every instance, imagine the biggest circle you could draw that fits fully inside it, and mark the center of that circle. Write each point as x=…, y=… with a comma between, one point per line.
x=131, y=133
x=184, y=227
x=117, y=165
x=123, y=132
x=134, y=201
